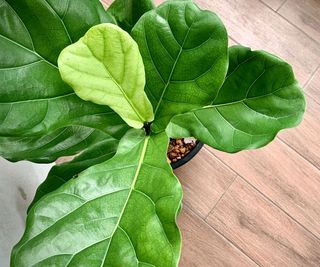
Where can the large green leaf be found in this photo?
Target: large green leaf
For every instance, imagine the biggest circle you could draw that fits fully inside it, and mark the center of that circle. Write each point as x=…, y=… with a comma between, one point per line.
x=118, y=213
x=95, y=125
x=105, y=67
x=35, y=102
x=60, y=174
x=128, y=12
x=66, y=141
x=185, y=52
x=259, y=98
x=34, y=99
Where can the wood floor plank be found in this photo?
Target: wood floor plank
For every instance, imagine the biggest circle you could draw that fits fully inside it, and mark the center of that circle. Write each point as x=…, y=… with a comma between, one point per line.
x=253, y=24
x=204, y=181
x=306, y=138
x=284, y=177
x=204, y=247
x=305, y=14
x=106, y=3
x=262, y=230
x=274, y=4
x=232, y=42
x=313, y=87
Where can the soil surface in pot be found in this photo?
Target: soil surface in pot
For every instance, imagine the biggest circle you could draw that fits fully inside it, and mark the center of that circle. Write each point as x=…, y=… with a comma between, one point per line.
x=179, y=148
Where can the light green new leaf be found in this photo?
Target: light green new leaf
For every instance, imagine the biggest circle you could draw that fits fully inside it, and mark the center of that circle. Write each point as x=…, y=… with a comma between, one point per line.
x=128, y=12
x=259, y=98
x=118, y=213
x=185, y=52
x=61, y=173
x=106, y=68
x=37, y=109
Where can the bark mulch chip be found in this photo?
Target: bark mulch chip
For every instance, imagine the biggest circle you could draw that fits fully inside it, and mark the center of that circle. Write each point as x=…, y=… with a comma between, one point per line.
x=179, y=148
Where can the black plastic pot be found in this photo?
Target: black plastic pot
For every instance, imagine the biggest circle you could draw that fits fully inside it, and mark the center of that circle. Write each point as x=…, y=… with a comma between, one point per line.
x=187, y=158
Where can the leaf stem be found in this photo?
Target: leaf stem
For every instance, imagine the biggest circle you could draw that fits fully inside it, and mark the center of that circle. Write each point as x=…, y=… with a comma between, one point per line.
x=147, y=128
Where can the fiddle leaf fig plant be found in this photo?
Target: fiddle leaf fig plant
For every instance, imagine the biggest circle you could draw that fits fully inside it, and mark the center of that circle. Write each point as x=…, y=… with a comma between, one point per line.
x=75, y=83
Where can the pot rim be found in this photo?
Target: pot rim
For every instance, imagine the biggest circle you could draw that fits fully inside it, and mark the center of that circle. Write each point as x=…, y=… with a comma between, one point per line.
x=189, y=157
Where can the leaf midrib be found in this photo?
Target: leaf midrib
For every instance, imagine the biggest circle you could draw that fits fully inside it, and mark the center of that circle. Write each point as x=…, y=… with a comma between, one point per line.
x=131, y=189
x=142, y=156
x=173, y=69
x=117, y=84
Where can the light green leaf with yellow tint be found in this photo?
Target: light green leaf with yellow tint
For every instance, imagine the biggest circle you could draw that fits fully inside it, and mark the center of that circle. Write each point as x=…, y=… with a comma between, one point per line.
x=106, y=68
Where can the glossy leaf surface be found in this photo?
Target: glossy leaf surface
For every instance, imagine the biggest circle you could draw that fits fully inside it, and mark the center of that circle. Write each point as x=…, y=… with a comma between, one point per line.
x=184, y=50
x=259, y=98
x=128, y=12
x=118, y=213
x=106, y=68
x=60, y=174
x=34, y=101
x=67, y=141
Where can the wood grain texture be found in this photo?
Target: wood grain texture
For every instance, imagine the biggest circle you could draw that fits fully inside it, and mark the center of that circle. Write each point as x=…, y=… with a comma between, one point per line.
x=204, y=247
x=106, y=3
x=204, y=181
x=284, y=177
x=313, y=87
x=274, y=4
x=263, y=231
x=306, y=138
x=253, y=24
x=232, y=42
x=305, y=14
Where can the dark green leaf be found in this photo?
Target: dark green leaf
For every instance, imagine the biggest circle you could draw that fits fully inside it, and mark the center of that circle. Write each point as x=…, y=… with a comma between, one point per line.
x=44, y=149
x=128, y=12
x=118, y=213
x=259, y=98
x=185, y=53
x=35, y=102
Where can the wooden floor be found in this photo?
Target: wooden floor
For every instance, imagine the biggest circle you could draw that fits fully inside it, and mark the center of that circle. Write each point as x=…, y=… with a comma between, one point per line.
x=261, y=208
